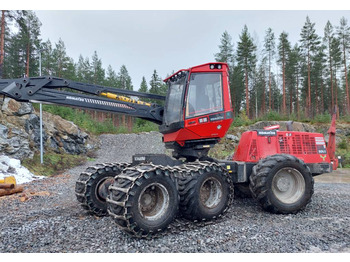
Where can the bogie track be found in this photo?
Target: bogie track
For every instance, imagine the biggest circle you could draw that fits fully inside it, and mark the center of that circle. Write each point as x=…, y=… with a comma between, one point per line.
x=145, y=199
x=91, y=188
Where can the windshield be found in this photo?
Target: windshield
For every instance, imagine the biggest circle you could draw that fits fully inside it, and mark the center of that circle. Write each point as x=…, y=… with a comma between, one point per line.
x=204, y=94
x=173, y=109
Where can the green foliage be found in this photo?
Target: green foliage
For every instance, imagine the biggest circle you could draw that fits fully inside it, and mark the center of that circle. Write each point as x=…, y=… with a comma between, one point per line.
x=345, y=156
x=343, y=144
x=123, y=79
x=322, y=118
x=82, y=119
x=142, y=125
x=226, y=49
x=122, y=130
x=242, y=119
x=53, y=163
x=345, y=119
x=274, y=116
x=86, y=122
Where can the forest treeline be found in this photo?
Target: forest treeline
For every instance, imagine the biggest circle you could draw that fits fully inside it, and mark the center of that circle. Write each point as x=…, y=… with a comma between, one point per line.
x=311, y=77
x=298, y=80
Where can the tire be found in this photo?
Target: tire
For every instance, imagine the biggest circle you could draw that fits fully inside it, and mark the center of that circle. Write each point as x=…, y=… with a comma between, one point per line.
x=242, y=191
x=91, y=188
x=205, y=192
x=144, y=200
x=282, y=184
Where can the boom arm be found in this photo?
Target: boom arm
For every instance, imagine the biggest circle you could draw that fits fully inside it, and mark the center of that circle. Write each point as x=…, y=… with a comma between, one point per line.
x=47, y=90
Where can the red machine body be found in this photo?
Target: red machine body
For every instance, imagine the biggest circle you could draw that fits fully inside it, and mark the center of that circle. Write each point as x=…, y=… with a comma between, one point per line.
x=258, y=144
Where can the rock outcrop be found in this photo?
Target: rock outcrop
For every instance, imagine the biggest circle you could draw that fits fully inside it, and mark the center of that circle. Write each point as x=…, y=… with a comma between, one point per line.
x=20, y=132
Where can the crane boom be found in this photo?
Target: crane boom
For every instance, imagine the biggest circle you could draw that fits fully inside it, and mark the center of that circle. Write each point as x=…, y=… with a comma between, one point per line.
x=53, y=90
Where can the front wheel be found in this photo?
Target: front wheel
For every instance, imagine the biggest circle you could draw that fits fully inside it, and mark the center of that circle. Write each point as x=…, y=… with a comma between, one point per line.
x=143, y=200
x=282, y=184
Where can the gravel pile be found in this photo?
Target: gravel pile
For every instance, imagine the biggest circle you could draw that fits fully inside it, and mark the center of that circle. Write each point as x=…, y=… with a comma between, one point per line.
x=49, y=219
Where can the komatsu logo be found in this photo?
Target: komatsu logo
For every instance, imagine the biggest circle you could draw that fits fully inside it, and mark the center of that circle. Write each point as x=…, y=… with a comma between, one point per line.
x=266, y=132
x=75, y=98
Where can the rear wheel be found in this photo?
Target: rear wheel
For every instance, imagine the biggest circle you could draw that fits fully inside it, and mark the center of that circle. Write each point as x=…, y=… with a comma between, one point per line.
x=204, y=191
x=91, y=188
x=143, y=200
x=282, y=184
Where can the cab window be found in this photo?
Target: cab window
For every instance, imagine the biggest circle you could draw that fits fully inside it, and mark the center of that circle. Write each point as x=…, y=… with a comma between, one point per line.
x=204, y=94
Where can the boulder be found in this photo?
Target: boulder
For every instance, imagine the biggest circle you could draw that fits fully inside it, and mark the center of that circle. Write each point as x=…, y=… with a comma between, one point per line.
x=20, y=132
x=11, y=107
x=297, y=126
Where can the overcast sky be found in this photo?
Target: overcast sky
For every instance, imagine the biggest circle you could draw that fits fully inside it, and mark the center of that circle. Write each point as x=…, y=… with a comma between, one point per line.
x=167, y=40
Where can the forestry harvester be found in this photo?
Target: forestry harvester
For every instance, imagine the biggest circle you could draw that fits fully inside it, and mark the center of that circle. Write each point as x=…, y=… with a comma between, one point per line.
x=144, y=196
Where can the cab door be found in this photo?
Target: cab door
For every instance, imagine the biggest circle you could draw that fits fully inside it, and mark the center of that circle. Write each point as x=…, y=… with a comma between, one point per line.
x=204, y=105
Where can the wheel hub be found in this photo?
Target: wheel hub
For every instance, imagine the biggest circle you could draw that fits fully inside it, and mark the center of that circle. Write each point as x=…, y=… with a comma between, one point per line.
x=210, y=193
x=288, y=185
x=153, y=201
x=283, y=183
x=102, y=188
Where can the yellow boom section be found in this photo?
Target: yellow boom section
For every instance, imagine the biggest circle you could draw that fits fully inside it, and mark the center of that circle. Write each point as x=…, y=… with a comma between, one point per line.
x=124, y=99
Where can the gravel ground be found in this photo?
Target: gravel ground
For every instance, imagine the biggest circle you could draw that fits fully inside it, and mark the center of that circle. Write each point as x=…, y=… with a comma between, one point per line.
x=51, y=220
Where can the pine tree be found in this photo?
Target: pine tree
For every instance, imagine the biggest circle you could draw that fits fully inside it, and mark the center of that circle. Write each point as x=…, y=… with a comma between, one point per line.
x=226, y=49
x=60, y=59
x=276, y=94
x=7, y=16
x=143, y=86
x=47, y=60
x=111, y=78
x=328, y=39
x=156, y=86
x=79, y=69
x=343, y=32
x=336, y=54
x=2, y=41
x=237, y=87
x=69, y=70
x=14, y=62
x=292, y=72
x=309, y=42
x=124, y=80
x=83, y=70
x=29, y=33
x=260, y=84
x=246, y=59
x=97, y=70
x=14, y=55
x=283, y=52
x=269, y=50
x=317, y=78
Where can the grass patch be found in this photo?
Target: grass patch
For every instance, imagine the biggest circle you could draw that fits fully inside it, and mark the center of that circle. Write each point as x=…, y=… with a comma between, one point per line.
x=53, y=163
x=81, y=119
x=142, y=125
x=86, y=122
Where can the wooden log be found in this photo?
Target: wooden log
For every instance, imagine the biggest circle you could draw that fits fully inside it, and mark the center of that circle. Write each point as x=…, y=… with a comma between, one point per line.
x=6, y=186
x=16, y=189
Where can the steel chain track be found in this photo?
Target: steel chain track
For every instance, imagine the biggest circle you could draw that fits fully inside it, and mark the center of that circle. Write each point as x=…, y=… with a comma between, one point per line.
x=87, y=176
x=119, y=195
